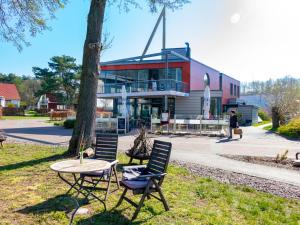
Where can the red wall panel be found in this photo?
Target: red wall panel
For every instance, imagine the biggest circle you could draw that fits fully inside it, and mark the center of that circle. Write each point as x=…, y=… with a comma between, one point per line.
x=226, y=81
x=185, y=66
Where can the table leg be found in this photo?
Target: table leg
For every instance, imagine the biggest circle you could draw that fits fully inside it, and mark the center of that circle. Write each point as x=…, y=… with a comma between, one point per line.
x=80, y=191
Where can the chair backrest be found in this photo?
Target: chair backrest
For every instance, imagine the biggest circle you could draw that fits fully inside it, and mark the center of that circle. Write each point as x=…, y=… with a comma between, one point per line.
x=159, y=158
x=106, y=147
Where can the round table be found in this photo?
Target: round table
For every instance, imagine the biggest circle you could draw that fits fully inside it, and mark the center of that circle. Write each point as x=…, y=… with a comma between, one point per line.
x=74, y=167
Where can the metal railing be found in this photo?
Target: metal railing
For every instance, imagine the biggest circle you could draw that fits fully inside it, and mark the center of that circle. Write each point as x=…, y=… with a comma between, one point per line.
x=192, y=124
x=146, y=86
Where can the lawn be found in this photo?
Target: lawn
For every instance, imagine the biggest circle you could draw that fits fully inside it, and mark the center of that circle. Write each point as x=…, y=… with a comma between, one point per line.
x=32, y=194
x=261, y=123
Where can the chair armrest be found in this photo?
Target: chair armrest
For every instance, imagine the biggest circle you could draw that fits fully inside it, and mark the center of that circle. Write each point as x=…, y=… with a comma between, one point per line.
x=114, y=162
x=297, y=154
x=153, y=175
x=134, y=167
x=149, y=176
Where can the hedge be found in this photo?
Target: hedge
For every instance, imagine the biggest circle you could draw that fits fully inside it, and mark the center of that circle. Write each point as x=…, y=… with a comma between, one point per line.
x=69, y=123
x=292, y=129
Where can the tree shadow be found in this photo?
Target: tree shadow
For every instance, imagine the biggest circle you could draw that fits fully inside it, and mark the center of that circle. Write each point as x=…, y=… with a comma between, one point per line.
x=35, y=140
x=225, y=140
x=50, y=130
x=33, y=162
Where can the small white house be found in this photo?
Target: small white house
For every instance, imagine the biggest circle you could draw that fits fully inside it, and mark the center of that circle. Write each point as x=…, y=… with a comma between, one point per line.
x=9, y=95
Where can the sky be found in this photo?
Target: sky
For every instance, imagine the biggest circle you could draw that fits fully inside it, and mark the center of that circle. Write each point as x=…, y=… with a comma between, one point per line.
x=246, y=39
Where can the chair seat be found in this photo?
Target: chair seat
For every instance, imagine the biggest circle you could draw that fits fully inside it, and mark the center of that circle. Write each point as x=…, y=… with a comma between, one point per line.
x=134, y=184
x=95, y=173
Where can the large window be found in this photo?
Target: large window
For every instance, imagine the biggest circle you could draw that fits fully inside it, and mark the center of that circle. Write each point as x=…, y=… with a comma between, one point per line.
x=127, y=76
x=231, y=89
x=234, y=90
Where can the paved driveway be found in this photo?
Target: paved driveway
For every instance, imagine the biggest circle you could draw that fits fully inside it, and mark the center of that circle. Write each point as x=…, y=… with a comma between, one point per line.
x=35, y=131
x=194, y=149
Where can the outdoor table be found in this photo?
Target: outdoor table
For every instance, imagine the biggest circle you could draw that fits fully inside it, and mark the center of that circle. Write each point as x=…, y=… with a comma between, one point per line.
x=74, y=167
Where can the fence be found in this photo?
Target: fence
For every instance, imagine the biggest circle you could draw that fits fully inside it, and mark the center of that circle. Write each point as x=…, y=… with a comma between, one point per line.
x=193, y=124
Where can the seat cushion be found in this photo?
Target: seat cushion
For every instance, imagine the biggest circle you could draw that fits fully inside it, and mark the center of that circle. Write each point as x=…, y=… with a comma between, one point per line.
x=96, y=173
x=134, y=184
x=133, y=173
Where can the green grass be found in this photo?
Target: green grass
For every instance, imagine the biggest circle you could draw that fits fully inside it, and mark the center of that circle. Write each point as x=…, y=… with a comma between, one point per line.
x=270, y=128
x=23, y=117
x=261, y=123
x=33, y=194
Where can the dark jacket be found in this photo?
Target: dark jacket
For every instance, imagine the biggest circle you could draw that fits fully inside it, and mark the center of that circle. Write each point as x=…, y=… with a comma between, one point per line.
x=233, y=121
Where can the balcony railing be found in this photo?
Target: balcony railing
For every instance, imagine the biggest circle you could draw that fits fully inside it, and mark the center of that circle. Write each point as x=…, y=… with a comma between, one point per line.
x=146, y=86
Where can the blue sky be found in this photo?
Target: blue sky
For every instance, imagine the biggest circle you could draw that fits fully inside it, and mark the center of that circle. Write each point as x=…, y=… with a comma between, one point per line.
x=247, y=39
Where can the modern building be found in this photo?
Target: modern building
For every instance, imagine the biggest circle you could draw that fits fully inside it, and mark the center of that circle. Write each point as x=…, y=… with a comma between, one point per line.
x=166, y=81
x=9, y=95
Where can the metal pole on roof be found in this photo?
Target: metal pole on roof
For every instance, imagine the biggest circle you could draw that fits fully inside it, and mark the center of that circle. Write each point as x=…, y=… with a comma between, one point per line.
x=164, y=28
x=161, y=16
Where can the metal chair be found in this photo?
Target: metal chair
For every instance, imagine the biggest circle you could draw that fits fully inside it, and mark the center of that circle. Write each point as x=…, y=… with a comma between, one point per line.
x=147, y=179
x=105, y=149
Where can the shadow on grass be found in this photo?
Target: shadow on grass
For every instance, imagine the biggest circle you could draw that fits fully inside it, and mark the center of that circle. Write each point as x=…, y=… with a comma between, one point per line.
x=115, y=216
x=33, y=162
x=58, y=203
x=65, y=203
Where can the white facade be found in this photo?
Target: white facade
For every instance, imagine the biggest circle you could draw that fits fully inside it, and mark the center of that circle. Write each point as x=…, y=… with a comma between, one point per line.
x=4, y=102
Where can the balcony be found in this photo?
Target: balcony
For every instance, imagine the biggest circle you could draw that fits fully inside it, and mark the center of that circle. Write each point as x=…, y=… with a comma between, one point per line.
x=146, y=88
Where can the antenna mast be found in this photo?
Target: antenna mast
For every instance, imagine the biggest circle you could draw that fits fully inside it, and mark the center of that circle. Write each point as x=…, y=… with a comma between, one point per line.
x=162, y=16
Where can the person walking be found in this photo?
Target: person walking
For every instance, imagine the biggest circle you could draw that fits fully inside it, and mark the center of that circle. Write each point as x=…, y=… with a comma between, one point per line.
x=233, y=123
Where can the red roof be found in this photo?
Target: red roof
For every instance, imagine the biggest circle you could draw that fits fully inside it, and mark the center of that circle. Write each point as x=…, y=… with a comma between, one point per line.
x=9, y=91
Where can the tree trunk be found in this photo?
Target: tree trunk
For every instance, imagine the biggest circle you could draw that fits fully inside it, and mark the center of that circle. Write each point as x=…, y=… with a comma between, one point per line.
x=86, y=112
x=275, y=117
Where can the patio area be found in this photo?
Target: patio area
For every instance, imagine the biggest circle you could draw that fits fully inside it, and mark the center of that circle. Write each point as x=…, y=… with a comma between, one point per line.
x=37, y=196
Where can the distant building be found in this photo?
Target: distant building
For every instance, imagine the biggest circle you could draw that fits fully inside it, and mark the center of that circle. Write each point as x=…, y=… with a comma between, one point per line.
x=51, y=102
x=256, y=100
x=9, y=95
x=167, y=81
x=248, y=113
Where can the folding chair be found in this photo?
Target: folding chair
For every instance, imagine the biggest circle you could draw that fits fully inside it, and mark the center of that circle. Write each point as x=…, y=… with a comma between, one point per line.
x=106, y=149
x=147, y=179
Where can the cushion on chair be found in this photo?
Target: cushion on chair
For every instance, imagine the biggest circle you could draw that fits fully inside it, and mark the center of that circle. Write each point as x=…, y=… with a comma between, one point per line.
x=95, y=173
x=133, y=173
x=134, y=184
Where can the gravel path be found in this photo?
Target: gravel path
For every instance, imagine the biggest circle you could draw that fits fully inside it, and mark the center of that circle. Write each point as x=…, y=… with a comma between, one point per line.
x=260, y=184
x=268, y=161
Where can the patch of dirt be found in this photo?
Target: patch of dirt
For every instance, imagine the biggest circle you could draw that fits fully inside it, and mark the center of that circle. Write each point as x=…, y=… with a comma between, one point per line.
x=267, y=161
x=260, y=184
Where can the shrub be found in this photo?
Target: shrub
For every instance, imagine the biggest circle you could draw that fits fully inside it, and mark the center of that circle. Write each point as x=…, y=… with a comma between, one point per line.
x=292, y=129
x=10, y=105
x=69, y=124
x=264, y=115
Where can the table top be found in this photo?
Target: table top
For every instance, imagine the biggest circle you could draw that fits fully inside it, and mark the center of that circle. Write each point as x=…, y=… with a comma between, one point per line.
x=74, y=166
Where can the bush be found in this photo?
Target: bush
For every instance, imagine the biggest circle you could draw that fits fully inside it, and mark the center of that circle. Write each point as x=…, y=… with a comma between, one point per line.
x=69, y=124
x=11, y=105
x=9, y=111
x=264, y=115
x=292, y=129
